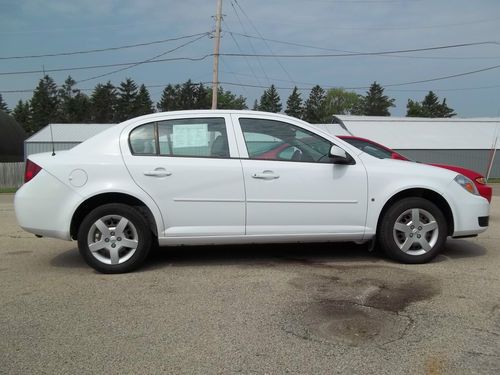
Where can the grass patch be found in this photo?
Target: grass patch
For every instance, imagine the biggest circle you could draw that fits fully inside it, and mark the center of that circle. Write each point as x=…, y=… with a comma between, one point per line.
x=495, y=180
x=8, y=190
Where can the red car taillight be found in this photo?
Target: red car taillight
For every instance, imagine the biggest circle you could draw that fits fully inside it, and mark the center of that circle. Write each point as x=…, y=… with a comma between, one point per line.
x=481, y=180
x=31, y=170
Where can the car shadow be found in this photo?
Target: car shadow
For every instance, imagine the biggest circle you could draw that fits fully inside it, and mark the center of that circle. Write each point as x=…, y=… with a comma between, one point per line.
x=457, y=249
x=68, y=259
x=269, y=255
x=258, y=255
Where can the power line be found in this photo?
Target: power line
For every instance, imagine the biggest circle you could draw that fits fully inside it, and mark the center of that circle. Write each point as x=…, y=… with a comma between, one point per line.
x=251, y=45
x=294, y=44
x=461, y=45
x=145, y=61
x=200, y=58
x=265, y=42
x=102, y=49
x=239, y=48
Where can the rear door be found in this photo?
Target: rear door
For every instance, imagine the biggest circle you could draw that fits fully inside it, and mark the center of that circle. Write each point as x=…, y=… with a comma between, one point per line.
x=190, y=167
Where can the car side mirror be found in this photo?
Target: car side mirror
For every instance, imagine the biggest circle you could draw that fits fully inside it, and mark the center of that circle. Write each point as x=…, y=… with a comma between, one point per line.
x=339, y=156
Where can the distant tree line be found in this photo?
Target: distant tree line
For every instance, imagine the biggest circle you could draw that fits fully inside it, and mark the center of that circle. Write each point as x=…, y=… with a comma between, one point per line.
x=112, y=104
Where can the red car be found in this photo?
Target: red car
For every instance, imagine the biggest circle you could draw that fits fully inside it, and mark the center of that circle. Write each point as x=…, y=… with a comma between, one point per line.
x=377, y=150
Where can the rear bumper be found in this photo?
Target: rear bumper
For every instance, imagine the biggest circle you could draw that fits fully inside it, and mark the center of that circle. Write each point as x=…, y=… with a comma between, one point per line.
x=44, y=206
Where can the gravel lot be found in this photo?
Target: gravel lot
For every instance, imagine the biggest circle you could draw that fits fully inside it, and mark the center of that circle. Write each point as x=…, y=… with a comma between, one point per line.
x=308, y=309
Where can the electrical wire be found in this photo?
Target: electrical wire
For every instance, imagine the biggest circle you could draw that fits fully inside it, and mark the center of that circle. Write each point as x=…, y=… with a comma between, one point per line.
x=251, y=45
x=358, y=52
x=102, y=49
x=263, y=39
x=145, y=61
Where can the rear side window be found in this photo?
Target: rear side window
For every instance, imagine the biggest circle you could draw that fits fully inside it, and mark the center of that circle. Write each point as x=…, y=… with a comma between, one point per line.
x=195, y=137
x=143, y=140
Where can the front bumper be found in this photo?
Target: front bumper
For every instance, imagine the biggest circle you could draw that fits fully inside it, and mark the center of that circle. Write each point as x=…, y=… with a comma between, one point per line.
x=470, y=212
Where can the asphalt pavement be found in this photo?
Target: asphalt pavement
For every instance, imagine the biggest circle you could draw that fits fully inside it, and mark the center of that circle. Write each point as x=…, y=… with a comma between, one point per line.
x=274, y=309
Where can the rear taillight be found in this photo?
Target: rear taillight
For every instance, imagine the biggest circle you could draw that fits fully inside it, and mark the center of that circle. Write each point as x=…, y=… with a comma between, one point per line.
x=481, y=180
x=31, y=170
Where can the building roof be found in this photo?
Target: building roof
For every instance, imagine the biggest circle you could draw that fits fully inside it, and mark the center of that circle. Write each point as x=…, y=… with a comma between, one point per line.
x=421, y=133
x=67, y=132
x=11, y=139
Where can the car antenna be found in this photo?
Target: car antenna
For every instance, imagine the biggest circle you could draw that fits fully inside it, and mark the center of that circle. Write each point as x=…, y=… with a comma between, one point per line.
x=52, y=140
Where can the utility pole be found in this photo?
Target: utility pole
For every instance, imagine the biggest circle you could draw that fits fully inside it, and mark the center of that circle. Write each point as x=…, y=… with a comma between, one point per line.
x=215, y=78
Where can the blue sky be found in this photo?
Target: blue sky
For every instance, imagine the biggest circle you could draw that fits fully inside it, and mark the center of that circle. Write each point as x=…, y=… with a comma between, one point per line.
x=30, y=27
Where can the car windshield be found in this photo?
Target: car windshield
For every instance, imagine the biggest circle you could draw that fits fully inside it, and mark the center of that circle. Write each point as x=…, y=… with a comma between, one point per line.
x=371, y=148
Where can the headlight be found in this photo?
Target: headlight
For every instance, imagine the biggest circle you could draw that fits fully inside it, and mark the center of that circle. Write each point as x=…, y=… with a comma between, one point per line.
x=467, y=184
x=481, y=180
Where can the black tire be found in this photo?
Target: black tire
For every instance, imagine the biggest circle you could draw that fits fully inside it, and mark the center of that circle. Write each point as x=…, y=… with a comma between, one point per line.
x=136, y=230
x=429, y=242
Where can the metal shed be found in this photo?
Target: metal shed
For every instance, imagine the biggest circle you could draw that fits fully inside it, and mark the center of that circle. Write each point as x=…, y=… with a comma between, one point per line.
x=64, y=136
x=463, y=142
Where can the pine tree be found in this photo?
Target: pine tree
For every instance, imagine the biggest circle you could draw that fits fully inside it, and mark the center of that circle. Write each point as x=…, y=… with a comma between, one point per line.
x=314, y=106
x=375, y=103
x=429, y=107
x=126, y=101
x=3, y=105
x=294, y=104
x=169, y=100
x=202, y=97
x=22, y=114
x=44, y=103
x=187, y=95
x=74, y=106
x=270, y=100
x=103, y=103
x=255, y=105
x=143, y=104
x=228, y=100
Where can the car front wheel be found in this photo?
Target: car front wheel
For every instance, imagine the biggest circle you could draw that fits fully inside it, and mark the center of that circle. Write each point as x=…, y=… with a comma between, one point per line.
x=114, y=238
x=413, y=230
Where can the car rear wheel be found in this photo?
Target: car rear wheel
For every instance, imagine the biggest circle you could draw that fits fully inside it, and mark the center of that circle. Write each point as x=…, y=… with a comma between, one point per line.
x=114, y=238
x=413, y=230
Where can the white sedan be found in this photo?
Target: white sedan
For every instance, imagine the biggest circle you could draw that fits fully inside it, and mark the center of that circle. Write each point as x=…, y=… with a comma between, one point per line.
x=229, y=177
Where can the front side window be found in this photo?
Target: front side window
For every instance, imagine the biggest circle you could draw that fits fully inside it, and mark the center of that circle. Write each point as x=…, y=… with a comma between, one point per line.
x=195, y=137
x=277, y=140
x=370, y=148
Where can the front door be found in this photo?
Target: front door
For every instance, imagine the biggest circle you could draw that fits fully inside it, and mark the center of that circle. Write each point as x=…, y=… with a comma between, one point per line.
x=292, y=187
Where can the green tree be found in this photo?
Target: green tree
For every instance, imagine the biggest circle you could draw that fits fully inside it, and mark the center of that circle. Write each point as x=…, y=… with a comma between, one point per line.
x=126, y=100
x=3, y=105
x=74, y=106
x=294, y=104
x=103, y=103
x=228, y=100
x=270, y=100
x=202, y=99
x=44, y=103
x=315, y=105
x=255, y=105
x=22, y=114
x=169, y=100
x=375, y=103
x=339, y=101
x=429, y=107
x=143, y=103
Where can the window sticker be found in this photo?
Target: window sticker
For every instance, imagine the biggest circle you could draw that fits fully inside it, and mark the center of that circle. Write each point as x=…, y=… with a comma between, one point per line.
x=192, y=135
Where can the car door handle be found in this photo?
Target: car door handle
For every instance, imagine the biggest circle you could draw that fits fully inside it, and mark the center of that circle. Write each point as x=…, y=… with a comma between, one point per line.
x=158, y=172
x=266, y=175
